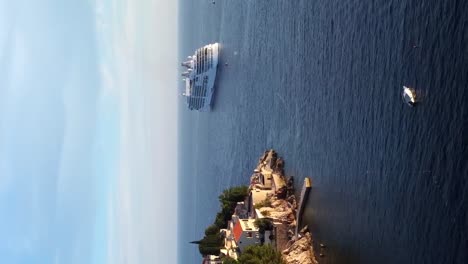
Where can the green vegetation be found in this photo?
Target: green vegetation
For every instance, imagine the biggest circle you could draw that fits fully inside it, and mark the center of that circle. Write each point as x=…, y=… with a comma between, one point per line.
x=264, y=203
x=213, y=240
x=265, y=254
x=228, y=201
x=265, y=213
x=211, y=230
x=263, y=224
x=228, y=260
x=210, y=244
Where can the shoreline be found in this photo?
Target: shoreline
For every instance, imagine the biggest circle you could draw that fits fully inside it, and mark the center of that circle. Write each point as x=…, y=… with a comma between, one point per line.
x=273, y=197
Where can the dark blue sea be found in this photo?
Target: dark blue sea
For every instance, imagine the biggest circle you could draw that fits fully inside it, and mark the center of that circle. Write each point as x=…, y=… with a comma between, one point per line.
x=320, y=82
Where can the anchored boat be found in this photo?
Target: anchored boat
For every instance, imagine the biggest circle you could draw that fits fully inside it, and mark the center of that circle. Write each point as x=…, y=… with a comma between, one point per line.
x=409, y=96
x=200, y=76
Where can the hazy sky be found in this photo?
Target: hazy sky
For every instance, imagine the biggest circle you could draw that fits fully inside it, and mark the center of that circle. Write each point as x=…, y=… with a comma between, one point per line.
x=88, y=131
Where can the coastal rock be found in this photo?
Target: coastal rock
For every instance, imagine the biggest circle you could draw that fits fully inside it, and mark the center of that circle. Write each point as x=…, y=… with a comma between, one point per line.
x=282, y=192
x=293, y=224
x=300, y=252
x=282, y=209
x=280, y=163
x=276, y=203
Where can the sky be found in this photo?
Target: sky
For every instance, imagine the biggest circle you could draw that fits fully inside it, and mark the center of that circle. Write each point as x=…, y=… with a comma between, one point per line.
x=88, y=125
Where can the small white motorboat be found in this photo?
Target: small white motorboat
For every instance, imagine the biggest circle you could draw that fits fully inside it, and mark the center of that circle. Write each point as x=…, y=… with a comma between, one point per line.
x=409, y=96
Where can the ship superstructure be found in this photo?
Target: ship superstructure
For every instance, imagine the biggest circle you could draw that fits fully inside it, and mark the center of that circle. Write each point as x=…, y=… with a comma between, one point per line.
x=199, y=77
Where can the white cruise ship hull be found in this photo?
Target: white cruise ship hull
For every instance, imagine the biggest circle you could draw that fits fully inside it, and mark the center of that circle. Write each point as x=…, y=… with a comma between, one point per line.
x=200, y=77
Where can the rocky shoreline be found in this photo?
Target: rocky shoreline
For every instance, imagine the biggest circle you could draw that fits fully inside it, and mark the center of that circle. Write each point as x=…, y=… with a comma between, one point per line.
x=280, y=205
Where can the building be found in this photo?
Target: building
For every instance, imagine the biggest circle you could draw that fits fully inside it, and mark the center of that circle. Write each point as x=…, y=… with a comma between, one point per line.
x=257, y=196
x=245, y=233
x=210, y=259
x=242, y=210
x=230, y=248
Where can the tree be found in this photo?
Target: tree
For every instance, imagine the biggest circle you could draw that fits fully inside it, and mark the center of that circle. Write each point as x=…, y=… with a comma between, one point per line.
x=212, y=230
x=213, y=241
x=265, y=254
x=220, y=221
x=263, y=224
x=233, y=195
x=228, y=201
x=228, y=260
x=210, y=244
x=207, y=250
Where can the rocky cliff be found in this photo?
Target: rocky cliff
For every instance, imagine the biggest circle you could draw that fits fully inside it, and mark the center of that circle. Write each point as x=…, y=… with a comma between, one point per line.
x=281, y=206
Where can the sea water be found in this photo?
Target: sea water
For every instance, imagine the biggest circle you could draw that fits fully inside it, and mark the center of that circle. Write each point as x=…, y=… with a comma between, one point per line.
x=320, y=82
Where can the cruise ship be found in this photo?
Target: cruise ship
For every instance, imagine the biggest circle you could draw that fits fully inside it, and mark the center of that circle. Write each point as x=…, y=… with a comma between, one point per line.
x=199, y=77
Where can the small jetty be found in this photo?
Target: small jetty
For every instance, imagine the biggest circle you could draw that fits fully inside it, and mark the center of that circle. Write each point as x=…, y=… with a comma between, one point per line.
x=302, y=201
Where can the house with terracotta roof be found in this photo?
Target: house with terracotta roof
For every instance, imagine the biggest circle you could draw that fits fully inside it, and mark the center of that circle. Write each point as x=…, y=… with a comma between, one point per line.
x=245, y=233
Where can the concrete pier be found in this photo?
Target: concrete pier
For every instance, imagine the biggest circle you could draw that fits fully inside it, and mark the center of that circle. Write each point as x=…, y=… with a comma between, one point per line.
x=302, y=201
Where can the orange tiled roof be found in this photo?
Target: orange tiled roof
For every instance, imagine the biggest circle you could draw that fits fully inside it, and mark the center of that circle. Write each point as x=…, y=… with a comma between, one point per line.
x=237, y=231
